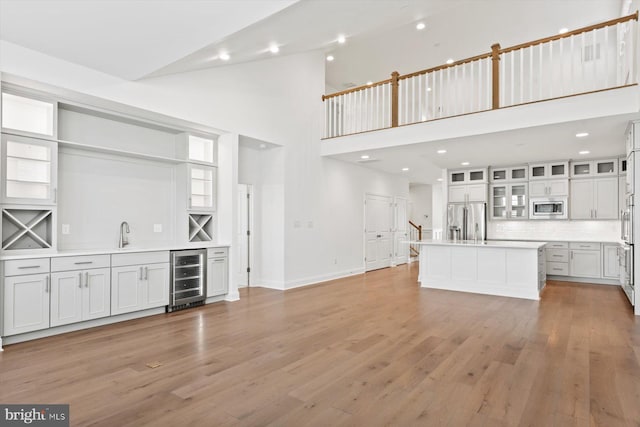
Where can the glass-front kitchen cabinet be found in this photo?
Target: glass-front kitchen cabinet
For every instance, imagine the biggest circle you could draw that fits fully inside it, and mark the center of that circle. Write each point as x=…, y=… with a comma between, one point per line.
x=508, y=201
x=202, y=188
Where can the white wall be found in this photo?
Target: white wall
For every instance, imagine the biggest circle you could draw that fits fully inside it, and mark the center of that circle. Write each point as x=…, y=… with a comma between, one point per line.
x=421, y=200
x=276, y=100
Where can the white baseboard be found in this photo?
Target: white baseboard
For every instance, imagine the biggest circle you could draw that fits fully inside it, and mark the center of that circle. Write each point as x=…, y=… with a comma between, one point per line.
x=593, y=281
x=232, y=296
x=269, y=284
x=322, y=278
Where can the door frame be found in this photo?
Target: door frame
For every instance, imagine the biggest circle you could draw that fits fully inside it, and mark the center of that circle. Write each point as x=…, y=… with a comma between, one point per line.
x=364, y=223
x=250, y=218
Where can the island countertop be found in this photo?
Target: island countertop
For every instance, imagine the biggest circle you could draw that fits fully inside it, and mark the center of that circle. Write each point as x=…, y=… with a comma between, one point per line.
x=509, y=244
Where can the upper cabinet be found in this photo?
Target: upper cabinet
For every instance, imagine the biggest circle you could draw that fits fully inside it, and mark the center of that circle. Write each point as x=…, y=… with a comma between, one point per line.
x=29, y=170
x=202, y=188
x=198, y=149
x=468, y=176
x=592, y=168
x=512, y=173
x=548, y=170
x=29, y=115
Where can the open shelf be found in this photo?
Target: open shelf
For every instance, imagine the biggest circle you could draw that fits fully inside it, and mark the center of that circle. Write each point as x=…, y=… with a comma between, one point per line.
x=27, y=229
x=200, y=228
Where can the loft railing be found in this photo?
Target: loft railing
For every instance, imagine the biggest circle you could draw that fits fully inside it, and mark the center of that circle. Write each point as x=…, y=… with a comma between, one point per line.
x=590, y=59
x=415, y=234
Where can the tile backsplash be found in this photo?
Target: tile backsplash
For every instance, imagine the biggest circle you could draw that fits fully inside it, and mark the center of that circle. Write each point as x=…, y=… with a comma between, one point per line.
x=604, y=231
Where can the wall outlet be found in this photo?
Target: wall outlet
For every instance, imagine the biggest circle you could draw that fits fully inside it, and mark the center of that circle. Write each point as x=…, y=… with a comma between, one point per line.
x=296, y=224
x=157, y=228
x=66, y=229
x=310, y=224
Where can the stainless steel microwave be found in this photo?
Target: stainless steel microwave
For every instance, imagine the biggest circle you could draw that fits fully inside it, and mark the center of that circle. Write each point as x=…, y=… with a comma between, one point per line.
x=548, y=208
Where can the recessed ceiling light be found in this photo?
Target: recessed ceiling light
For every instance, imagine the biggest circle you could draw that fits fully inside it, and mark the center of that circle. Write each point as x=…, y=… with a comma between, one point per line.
x=341, y=39
x=584, y=152
x=263, y=145
x=450, y=61
x=274, y=48
x=465, y=163
x=405, y=169
x=441, y=151
x=224, y=56
x=428, y=89
x=420, y=26
x=369, y=83
x=563, y=30
x=364, y=157
x=439, y=179
x=330, y=58
x=582, y=134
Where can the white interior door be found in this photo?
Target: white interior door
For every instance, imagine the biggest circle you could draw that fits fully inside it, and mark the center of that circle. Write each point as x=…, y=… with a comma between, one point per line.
x=378, y=231
x=401, y=232
x=245, y=200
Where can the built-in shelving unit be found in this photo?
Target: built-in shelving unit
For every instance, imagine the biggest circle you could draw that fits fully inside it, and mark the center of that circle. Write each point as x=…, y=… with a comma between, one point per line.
x=27, y=229
x=200, y=228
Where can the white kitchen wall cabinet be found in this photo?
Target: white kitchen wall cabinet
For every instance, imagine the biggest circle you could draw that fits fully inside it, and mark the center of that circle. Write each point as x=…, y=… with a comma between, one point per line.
x=549, y=188
x=610, y=261
x=201, y=188
x=139, y=287
x=585, y=260
x=594, y=168
x=553, y=170
x=468, y=193
x=29, y=170
x=594, y=198
x=468, y=176
x=29, y=115
x=26, y=303
x=507, y=174
x=509, y=201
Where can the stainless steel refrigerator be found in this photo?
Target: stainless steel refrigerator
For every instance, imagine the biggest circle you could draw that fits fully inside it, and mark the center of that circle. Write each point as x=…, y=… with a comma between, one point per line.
x=467, y=221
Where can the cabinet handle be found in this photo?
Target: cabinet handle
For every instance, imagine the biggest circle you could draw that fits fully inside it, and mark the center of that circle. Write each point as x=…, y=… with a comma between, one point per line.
x=218, y=253
x=83, y=262
x=55, y=195
x=571, y=254
x=558, y=256
x=146, y=273
x=556, y=269
x=141, y=273
x=86, y=279
x=218, y=260
x=80, y=280
x=28, y=266
x=46, y=284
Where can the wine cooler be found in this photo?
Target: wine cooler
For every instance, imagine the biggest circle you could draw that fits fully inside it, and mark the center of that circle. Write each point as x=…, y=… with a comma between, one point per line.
x=188, y=278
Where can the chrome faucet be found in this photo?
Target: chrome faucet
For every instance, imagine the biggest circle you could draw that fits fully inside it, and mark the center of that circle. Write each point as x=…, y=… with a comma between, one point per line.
x=124, y=230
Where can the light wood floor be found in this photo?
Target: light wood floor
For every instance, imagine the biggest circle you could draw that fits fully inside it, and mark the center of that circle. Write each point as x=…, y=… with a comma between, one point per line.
x=369, y=350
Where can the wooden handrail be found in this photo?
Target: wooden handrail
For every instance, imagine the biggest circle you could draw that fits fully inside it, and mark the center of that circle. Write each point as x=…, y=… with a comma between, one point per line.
x=443, y=66
x=356, y=89
x=417, y=227
x=572, y=33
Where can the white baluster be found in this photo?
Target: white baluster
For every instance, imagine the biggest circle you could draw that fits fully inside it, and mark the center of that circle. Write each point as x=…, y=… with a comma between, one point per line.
x=551, y=79
x=606, y=56
x=488, y=83
x=512, y=61
x=582, y=79
x=521, y=81
x=530, y=73
x=594, y=58
x=540, y=81
x=572, y=80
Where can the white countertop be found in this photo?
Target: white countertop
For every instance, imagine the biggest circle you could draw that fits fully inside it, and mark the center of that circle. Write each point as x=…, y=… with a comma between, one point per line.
x=481, y=244
x=80, y=252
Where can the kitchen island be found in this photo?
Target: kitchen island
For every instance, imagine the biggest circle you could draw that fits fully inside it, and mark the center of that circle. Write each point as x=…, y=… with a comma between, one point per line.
x=503, y=268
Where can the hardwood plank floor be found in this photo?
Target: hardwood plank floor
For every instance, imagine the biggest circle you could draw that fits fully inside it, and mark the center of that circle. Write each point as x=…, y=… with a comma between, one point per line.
x=371, y=350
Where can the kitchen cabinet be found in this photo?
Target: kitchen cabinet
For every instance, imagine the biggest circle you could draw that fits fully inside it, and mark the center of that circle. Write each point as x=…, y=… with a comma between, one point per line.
x=29, y=170
x=629, y=176
x=553, y=170
x=512, y=173
x=468, y=176
x=585, y=262
x=610, y=261
x=468, y=193
x=594, y=198
x=29, y=114
x=509, y=201
x=593, y=168
x=217, y=276
x=201, y=188
x=139, y=287
x=549, y=188
x=80, y=295
x=26, y=303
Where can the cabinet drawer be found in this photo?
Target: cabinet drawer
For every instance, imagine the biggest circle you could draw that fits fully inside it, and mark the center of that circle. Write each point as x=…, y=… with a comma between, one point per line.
x=557, y=245
x=585, y=245
x=558, y=255
x=217, y=252
x=557, y=268
x=139, y=258
x=19, y=267
x=80, y=262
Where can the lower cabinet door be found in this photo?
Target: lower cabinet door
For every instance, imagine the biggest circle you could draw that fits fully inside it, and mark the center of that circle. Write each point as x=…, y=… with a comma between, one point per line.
x=126, y=289
x=157, y=285
x=610, y=262
x=584, y=263
x=96, y=294
x=26, y=303
x=66, y=297
x=217, y=277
